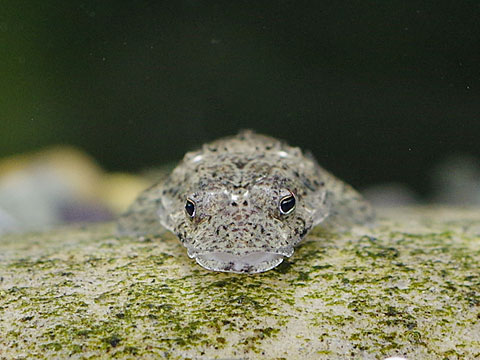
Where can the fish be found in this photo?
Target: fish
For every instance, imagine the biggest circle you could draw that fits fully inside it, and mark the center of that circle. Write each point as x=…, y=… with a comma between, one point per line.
x=243, y=203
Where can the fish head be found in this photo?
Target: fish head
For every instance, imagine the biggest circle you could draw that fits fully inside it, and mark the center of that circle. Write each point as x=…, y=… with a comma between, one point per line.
x=246, y=228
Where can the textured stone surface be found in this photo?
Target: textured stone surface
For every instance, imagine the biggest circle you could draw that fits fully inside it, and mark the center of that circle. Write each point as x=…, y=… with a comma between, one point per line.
x=409, y=287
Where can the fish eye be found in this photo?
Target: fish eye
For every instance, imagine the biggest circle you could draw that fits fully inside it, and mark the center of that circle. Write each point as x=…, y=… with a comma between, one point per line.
x=287, y=204
x=190, y=208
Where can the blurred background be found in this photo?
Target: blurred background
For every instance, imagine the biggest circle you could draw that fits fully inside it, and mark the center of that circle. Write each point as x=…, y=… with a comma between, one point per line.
x=385, y=94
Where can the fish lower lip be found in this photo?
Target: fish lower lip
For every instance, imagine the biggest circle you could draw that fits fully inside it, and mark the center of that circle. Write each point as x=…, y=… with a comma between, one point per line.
x=250, y=263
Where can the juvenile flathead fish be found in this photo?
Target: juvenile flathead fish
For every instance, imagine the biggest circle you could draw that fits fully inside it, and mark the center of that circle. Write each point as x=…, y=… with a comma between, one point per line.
x=241, y=204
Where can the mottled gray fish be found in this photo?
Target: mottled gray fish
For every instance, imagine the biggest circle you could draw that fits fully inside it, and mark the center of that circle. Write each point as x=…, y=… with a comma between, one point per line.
x=241, y=204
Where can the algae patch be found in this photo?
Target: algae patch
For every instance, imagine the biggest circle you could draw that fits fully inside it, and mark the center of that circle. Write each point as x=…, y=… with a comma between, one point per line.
x=408, y=287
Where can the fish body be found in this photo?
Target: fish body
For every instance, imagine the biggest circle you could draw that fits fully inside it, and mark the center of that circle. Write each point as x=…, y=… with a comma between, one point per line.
x=242, y=203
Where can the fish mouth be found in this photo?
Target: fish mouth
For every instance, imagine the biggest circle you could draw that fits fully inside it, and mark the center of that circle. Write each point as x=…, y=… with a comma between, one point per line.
x=251, y=263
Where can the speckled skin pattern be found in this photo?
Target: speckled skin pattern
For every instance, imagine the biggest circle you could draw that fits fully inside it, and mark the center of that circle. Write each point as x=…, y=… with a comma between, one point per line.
x=236, y=185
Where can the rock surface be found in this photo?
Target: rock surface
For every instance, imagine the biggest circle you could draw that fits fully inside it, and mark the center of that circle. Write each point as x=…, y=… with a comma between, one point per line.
x=409, y=287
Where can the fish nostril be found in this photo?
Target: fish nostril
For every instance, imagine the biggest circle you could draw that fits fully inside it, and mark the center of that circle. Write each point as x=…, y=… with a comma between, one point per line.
x=234, y=204
x=245, y=203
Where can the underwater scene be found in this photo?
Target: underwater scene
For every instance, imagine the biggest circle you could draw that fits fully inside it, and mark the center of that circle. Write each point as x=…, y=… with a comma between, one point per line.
x=199, y=179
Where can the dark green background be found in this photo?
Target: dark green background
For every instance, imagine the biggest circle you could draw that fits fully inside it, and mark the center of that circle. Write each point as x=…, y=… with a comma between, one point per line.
x=377, y=90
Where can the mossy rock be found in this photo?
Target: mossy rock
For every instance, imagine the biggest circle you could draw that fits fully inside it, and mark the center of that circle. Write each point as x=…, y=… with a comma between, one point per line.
x=409, y=287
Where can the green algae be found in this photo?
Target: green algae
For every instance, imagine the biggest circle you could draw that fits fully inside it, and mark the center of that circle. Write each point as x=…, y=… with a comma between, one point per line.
x=409, y=287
